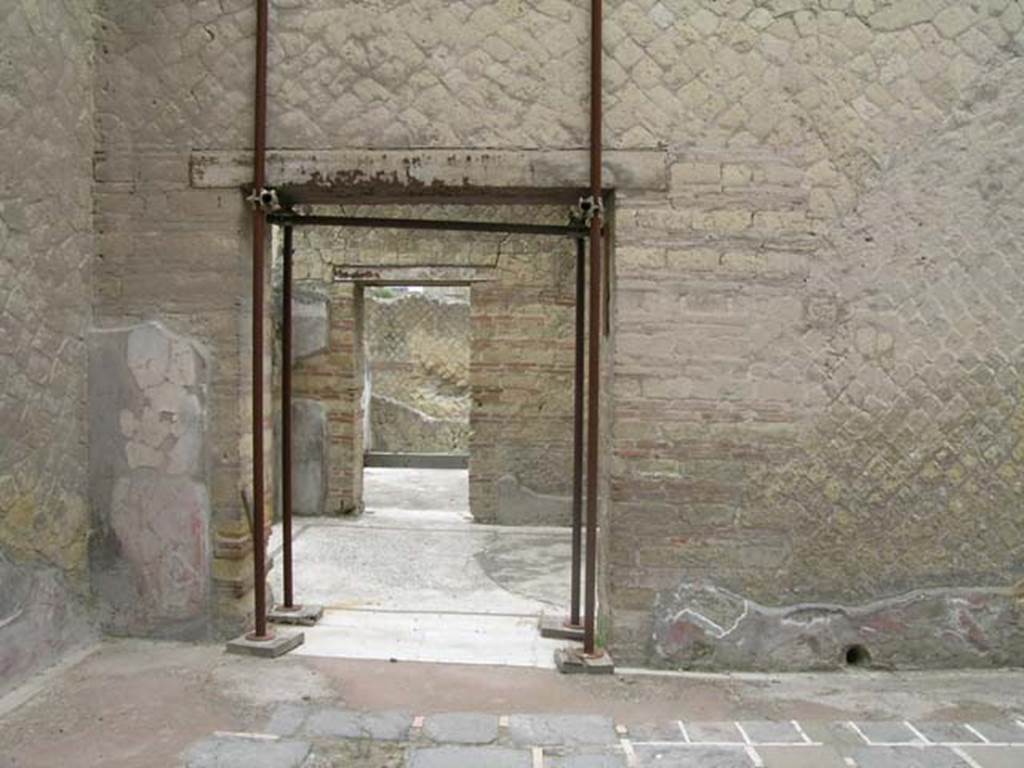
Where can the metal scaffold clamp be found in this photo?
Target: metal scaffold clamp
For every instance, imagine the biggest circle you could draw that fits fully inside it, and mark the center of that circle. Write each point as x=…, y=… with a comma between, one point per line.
x=589, y=208
x=265, y=199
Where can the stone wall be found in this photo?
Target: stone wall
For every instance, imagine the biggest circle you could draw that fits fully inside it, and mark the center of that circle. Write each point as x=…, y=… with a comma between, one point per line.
x=46, y=245
x=180, y=255
x=816, y=375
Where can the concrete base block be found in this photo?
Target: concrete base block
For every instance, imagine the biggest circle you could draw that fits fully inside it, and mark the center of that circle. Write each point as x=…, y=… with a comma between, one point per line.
x=559, y=629
x=277, y=644
x=303, y=615
x=574, y=661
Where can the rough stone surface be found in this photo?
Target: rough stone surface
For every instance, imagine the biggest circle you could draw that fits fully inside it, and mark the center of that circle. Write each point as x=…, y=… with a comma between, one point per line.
x=309, y=457
x=461, y=728
x=46, y=268
x=468, y=757
x=381, y=726
x=561, y=730
x=150, y=555
x=703, y=626
x=310, y=325
x=228, y=752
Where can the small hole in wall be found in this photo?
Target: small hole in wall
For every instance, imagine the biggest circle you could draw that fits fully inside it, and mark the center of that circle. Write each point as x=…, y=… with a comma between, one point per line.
x=858, y=656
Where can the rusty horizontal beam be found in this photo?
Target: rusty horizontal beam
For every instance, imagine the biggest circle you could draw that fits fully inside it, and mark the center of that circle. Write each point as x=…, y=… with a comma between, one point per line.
x=554, y=230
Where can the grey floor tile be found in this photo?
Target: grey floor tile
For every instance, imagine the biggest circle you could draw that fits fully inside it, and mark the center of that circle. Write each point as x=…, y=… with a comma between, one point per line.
x=714, y=732
x=801, y=757
x=956, y=733
x=567, y=730
x=345, y=724
x=996, y=757
x=692, y=757
x=461, y=728
x=772, y=732
x=907, y=757
x=586, y=760
x=469, y=757
x=232, y=752
x=1002, y=733
x=887, y=732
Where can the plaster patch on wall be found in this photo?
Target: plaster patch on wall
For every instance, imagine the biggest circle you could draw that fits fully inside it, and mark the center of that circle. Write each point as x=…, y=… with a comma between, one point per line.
x=151, y=558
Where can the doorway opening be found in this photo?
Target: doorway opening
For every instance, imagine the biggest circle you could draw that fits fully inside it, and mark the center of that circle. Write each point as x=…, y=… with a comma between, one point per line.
x=446, y=380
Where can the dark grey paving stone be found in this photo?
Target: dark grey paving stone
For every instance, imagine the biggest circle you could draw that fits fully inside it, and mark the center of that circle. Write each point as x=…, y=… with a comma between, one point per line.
x=469, y=757
x=801, y=757
x=907, y=757
x=586, y=760
x=345, y=724
x=286, y=720
x=887, y=732
x=231, y=752
x=1001, y=733
x=772, y=732
x=692, y=757
x=669, y=731
x=461, y=728
x=714, y=732
x=561, y=730
x=951, y=733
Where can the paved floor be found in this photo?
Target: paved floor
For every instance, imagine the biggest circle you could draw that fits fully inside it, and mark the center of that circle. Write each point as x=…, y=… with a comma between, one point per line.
x=136, y=704
x=414, y=579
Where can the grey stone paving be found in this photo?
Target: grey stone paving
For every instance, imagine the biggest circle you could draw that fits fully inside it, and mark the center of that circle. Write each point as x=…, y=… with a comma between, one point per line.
x=342, y=724
x=692, y=757
x=545, y=730
x=287, y=719
x=306, y=736
x=772, y=732
x=233, y=752
x=726, y=732
x=907, y=757
x=469, y=757
x=591, y=760
x=950, y=733
x=1001, y=733
x=887, y=733
x=461, y=728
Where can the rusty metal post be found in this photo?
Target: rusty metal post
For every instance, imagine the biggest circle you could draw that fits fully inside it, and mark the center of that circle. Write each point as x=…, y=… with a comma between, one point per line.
x=286, y=418
x=596, y=306
x=259, y=223
x=577, y=445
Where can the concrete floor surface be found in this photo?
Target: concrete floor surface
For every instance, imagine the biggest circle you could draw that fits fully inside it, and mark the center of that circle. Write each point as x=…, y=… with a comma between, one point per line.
x=139, y=704
x=414, y=579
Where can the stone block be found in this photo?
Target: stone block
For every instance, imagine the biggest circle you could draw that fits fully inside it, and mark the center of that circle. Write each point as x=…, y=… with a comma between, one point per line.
x=461, y=728
x=468, y=757
x=229, y=751
x=309, y=457
x=310, y=325
x=561, y=730
x=276, y=644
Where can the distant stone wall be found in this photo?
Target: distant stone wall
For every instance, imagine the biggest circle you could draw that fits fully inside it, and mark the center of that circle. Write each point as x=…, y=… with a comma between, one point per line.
x=46, y=267
x=417, y=359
